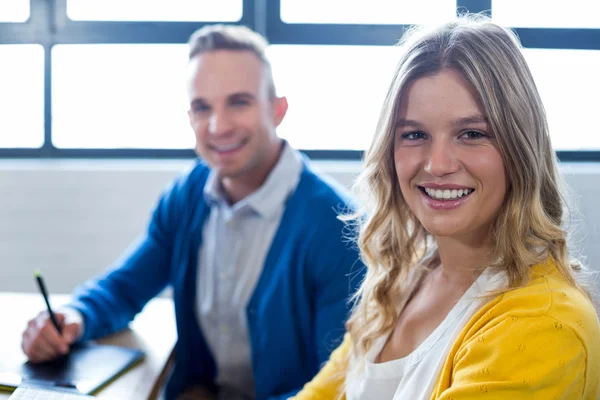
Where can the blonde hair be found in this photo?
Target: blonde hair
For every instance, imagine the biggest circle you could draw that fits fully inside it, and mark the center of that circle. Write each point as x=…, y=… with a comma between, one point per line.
x=528, y=228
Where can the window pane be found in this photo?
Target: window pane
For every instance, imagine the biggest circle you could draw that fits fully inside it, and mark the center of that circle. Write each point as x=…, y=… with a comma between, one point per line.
x=120, y=96
x=21, y=95
x=367, y=12
x=334, y=92
x=14, y=10
x=547, y=13
x=569, y=84
x=133, y=96
x=154, y=10
x=335, y=102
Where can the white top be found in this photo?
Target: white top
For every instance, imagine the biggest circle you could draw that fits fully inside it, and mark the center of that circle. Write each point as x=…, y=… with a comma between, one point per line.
x=413, y=377
x=236, y=240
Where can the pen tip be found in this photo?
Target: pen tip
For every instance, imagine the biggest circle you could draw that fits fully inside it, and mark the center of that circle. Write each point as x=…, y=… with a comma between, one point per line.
x=37, y=273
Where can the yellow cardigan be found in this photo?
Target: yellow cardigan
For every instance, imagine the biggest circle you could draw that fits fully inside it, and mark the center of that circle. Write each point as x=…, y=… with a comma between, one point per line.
x=540, y=341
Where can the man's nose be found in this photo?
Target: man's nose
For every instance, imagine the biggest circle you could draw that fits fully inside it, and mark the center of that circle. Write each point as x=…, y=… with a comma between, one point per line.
x=219, y=123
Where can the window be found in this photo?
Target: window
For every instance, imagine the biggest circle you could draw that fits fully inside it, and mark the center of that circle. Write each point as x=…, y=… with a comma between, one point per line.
x=335, y=101
x=154, y=10
x=366, y=12
x=110, y=73
x=120, y=96
x=569, y=84
x=547, y=13
x=22, y=96
x=14, y=10
x=334, y=93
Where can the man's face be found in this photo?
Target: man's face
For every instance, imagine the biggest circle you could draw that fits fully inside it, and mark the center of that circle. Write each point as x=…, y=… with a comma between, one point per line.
x=233, y=113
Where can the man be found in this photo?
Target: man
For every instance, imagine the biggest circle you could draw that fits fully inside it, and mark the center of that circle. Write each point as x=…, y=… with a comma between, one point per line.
x=248, y=239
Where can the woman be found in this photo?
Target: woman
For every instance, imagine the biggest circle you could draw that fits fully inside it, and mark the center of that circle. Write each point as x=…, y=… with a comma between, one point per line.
x=469, y=293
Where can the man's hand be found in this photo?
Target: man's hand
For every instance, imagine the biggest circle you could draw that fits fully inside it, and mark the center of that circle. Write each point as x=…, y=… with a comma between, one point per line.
x=42, y=342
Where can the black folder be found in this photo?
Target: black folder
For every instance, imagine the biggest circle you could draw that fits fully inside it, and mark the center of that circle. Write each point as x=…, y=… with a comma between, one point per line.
x=86, y=369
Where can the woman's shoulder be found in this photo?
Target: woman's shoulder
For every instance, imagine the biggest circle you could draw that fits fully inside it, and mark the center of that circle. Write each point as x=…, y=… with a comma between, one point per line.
x=544, y=334
x=329, y=382
x=550, y=298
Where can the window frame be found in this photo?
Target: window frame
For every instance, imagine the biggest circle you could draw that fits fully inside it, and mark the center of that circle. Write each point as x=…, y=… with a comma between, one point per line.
x=48, y=25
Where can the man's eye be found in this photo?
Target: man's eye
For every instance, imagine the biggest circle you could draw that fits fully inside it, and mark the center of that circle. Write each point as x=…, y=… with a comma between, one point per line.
x=201, y=108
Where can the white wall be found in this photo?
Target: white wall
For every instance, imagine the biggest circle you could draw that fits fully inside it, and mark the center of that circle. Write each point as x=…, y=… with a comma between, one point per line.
x=72, y=218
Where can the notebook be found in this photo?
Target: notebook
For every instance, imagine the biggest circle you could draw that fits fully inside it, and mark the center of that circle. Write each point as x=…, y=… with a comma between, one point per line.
x=36, y=393
x=85, y=369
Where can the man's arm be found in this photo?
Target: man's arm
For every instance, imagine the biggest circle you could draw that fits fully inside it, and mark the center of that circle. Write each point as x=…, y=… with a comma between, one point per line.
x=108, y=303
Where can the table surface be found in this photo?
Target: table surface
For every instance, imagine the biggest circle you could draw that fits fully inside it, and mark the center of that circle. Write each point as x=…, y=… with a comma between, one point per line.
x=152, y=331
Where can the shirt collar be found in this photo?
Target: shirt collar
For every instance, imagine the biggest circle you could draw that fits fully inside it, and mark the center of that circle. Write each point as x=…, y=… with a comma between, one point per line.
x=274, y=192
x=213, y=191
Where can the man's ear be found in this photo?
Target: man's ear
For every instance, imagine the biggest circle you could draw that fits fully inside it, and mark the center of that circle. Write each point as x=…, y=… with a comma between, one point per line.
x=189, y=113
x=280, y=106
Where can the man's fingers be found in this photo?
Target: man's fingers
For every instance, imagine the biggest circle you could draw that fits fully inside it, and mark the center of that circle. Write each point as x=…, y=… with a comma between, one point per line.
x=29, y=336
x=53, y=339
x=73, y=324
x=26, y=342
x=70, y=332
x=56, y=338
x=41, y=341
x=40, y=350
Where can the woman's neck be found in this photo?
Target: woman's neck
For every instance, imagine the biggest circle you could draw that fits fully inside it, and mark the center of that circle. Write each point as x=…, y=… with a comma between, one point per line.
x=461, y=261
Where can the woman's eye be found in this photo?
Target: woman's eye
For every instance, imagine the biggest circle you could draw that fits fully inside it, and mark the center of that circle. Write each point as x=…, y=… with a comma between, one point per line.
x=474, y=135
x=413, y=135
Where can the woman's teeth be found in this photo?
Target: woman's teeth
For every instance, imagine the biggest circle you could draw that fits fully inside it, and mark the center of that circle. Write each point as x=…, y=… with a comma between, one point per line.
x=447, y=194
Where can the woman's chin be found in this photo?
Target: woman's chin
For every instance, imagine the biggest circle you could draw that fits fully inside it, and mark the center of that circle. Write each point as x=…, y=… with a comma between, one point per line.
x=438, y=230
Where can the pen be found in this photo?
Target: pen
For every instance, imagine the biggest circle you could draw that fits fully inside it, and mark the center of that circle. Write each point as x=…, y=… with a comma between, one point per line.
x=40, y=282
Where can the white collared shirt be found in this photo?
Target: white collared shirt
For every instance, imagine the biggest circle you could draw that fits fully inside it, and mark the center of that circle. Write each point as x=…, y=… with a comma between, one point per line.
x=236, y=240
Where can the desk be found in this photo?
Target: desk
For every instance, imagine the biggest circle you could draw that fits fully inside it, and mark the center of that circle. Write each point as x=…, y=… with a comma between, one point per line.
x=152, y=331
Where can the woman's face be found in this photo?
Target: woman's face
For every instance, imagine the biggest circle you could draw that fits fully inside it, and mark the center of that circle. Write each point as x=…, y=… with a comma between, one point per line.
x=448, y=164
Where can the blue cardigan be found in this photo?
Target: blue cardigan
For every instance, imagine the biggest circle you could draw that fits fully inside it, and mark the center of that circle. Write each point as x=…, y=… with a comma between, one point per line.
x=296, y=314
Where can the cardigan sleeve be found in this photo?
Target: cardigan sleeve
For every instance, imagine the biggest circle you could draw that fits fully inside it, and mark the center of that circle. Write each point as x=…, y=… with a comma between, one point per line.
x=328, y=383
x=111, y=300
x=519, y=358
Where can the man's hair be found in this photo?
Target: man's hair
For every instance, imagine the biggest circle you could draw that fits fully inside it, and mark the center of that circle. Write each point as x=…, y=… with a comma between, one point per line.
x=234, y=38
